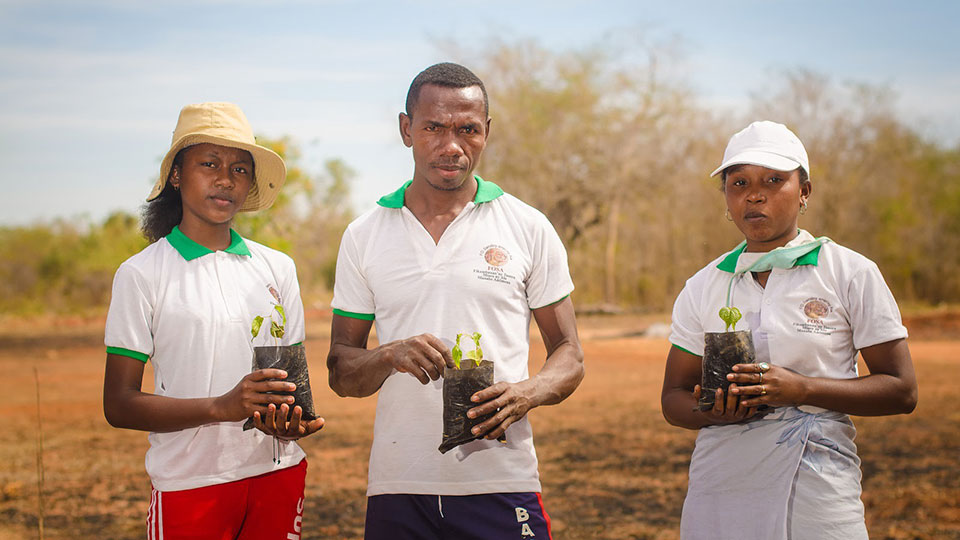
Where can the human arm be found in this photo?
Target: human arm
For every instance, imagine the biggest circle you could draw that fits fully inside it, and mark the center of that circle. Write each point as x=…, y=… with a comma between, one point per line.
x=681, y=392
x=889, y=388
x=356, y=371
x=125, y=405
x=560, y=376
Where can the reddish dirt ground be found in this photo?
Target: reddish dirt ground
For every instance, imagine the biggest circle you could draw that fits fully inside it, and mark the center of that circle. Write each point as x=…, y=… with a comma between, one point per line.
x=611, y=466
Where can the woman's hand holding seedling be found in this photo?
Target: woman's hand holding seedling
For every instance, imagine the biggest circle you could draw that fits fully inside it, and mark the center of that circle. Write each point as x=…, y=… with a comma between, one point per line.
x=777, y=386
x=422, y=356
x=727, y=409
x=251, y=395
x=281, y=423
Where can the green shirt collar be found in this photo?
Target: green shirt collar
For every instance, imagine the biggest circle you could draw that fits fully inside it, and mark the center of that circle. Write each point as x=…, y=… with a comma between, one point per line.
x=190, y=250
x=486, y=192
x=729, y=263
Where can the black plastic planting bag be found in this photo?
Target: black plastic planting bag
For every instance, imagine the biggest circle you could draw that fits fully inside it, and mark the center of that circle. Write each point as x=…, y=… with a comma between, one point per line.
x=721, y=351
x=458, y=386
x=293, y=360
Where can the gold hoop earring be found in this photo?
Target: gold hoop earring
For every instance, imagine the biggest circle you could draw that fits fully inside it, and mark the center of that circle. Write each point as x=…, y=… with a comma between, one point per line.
x=803, y=207
x=727, y=215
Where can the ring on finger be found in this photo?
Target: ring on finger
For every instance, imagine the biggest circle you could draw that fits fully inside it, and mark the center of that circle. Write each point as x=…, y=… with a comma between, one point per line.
x=763, y=390
x=763, y=367
x=760, y=380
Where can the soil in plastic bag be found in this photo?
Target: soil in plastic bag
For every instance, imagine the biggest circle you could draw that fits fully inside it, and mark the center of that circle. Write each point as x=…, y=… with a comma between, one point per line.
x=293, y=360
x=722, y=350
x=458, y=386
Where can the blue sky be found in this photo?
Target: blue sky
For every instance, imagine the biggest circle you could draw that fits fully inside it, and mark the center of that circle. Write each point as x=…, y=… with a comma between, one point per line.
x=90, y=91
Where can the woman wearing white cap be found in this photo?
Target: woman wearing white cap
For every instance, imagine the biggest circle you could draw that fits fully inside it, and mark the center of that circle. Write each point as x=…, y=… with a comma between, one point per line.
x=775, y=457
x=186, y=303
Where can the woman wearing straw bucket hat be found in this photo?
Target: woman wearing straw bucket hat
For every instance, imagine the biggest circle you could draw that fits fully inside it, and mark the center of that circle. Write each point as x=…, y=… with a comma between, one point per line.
x=779, y=442
x=186, y=303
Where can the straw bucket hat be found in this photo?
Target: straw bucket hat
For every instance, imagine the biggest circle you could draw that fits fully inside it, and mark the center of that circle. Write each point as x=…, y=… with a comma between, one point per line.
x=225, y=124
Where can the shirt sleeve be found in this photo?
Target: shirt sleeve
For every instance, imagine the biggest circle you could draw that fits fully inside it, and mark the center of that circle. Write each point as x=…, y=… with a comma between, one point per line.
x=293, y=305
x=352, y=296
x=128, y=330
x=873, y=311
x=686, y=328
x=549, y=278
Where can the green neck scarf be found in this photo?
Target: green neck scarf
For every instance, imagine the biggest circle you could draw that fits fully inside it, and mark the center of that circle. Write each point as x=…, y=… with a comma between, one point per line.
x=781, y=257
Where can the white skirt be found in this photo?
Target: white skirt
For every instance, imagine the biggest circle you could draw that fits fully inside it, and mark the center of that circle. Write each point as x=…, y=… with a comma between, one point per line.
x=792, y=474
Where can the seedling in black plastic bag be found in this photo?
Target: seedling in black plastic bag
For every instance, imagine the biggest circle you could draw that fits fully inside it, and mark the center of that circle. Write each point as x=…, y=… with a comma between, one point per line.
x=289, y=358
x=460, y=383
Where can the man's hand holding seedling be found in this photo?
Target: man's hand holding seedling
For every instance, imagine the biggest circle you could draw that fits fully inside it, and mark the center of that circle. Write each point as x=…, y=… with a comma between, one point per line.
x=422, y=356
x=559, y=377
x=512, y=400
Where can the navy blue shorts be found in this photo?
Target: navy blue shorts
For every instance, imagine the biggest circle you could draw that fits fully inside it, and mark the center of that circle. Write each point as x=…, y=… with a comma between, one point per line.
x=490, y=516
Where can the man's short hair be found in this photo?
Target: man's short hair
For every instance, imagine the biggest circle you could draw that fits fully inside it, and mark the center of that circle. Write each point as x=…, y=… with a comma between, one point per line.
x=449, y=75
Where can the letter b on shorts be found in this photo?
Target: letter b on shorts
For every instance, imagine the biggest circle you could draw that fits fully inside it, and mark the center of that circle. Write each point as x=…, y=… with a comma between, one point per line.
x=522, y=514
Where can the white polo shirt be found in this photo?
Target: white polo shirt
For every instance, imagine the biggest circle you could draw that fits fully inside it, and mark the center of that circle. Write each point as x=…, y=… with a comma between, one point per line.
x=812, y=318
x=496, y=261
x=189, y=310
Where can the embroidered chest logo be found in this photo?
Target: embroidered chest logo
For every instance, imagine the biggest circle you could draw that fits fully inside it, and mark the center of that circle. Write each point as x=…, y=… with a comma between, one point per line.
x=274, y=293
x=495, y=258
x=814, y=311
x=496, y=255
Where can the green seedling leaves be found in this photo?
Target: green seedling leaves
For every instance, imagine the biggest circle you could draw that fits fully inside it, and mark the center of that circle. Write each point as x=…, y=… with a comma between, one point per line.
x=276, y=329
x=477, y=354
x=456, y=352
x=730, y=316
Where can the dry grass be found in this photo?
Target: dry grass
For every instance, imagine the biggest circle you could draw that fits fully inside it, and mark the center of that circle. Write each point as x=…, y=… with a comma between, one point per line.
x=611, y=467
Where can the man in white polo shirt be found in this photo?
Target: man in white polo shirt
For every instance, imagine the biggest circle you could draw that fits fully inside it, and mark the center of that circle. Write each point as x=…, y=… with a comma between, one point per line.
x=451, y=253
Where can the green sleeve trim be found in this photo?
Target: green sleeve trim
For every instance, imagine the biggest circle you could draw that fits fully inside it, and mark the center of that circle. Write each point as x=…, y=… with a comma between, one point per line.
x=686, y=351
x=552, y=303
x=128, y=353
x=297, y=343
x=361, y=316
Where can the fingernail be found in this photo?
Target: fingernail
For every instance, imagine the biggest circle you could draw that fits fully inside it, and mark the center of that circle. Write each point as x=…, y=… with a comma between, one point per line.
x=475, y=430
x=730, y=376
x=471, y=414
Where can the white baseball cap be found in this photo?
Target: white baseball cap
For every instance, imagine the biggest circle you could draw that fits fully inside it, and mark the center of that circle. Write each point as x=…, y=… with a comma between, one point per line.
x=767, y=144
